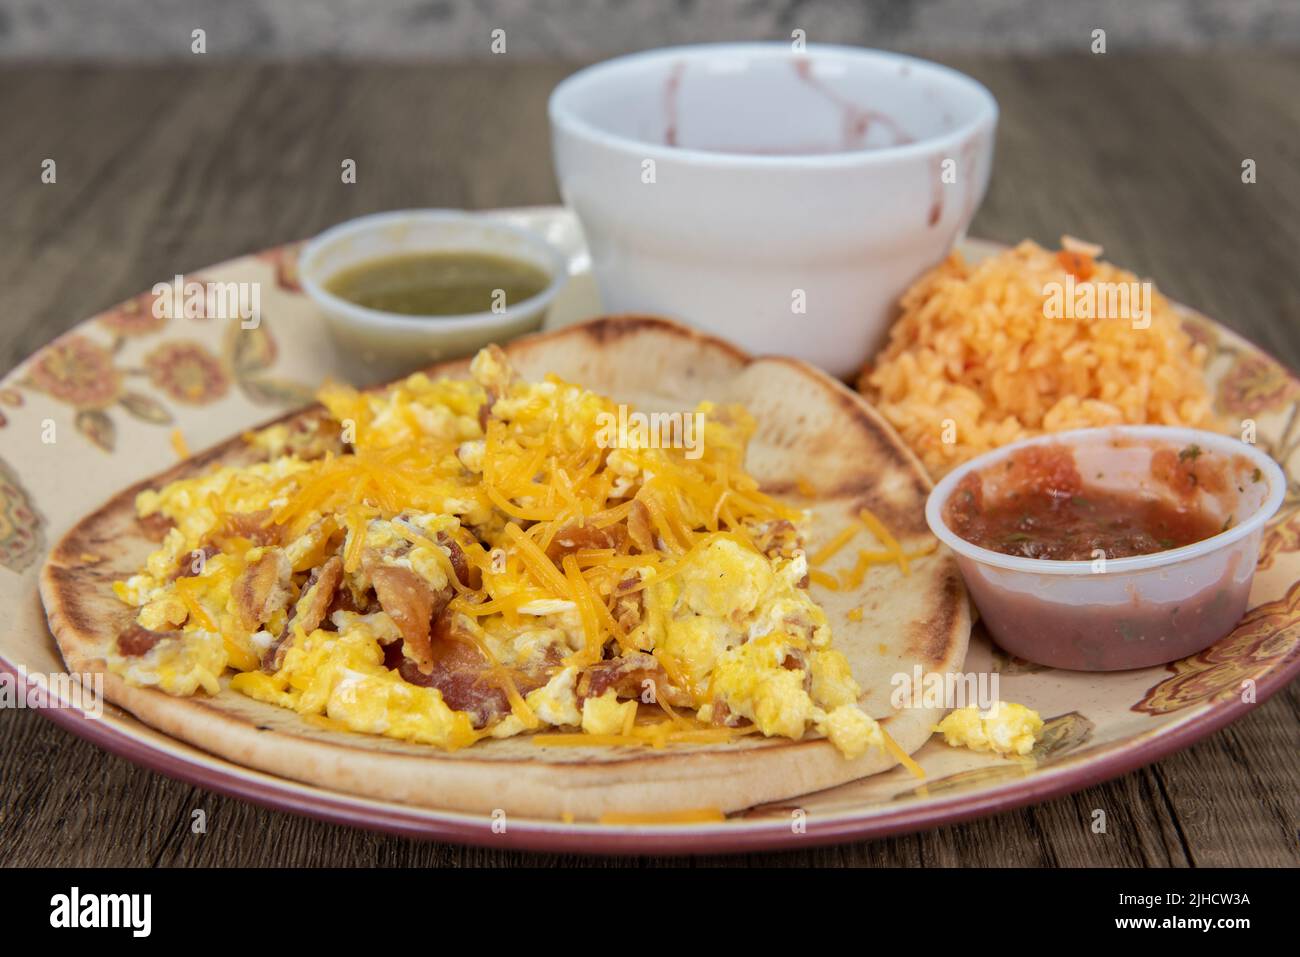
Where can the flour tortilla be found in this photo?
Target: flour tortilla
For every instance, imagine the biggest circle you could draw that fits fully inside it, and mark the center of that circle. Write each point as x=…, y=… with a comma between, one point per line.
x=810, y=428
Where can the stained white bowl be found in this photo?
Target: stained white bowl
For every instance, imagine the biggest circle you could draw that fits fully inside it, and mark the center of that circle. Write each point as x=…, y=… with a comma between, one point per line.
x=376, y=345
x=731, y=185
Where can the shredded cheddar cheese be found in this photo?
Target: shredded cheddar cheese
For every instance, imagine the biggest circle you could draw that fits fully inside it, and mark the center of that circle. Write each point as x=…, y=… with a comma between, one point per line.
x=825, y=579
x=447, y=561
x=704, y=815
x=901, y=756
x=829, y=550
x=877, y=528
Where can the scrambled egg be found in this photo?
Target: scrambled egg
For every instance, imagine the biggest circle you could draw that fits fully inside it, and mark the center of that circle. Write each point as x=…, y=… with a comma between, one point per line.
x=341, y=675
x=606, y=714
x=445, y=561
x=1005, y=728
x=754, y=646
x=179, y=668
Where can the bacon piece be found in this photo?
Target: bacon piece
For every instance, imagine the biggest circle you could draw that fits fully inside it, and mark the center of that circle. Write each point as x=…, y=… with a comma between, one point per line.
x=461, y=673
x=345, y=600
x=799, y=624
x=623, y=674
x=777, y=538
x=412, y=603
x=639, y=528
x=318, y=594
x=721, y=713
x=795, y=660
x=627, y=675
x=312, y=437
x=273, y=657
x=256, y=527
x=186, y=567
x=393, y=660
x=491, y=369
x=469, y=575
x=724, y=718
x=262, y=589
x=313, y=605
x=574, y=537
x=135, y=641
x=629, y=609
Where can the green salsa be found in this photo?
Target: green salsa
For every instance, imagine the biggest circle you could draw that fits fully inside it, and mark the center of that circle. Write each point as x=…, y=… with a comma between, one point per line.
x=439, y=283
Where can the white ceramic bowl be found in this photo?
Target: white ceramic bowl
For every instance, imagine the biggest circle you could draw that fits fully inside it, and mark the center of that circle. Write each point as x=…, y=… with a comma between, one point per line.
x=732, y=185
x=376, y=345
x=1125, y=612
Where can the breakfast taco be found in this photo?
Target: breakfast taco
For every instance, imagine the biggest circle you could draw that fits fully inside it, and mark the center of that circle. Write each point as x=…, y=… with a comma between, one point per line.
x=568, y=577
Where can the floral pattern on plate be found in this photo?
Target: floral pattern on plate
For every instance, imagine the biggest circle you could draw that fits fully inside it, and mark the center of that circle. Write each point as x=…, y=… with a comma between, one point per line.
x=22, y=540
x=90, y=376
x=1267, y=635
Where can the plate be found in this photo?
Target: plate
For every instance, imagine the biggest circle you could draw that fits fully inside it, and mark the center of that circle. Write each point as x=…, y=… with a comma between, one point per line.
x=101, y=407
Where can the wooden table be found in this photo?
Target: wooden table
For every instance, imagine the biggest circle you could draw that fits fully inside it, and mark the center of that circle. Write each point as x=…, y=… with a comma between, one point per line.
x=163, y=169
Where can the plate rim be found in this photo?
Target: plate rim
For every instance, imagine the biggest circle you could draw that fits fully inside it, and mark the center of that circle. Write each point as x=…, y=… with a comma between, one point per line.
x=336, y=807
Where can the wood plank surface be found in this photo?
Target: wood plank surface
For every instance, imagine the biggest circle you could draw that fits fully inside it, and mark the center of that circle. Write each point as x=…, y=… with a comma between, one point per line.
x=168, y=168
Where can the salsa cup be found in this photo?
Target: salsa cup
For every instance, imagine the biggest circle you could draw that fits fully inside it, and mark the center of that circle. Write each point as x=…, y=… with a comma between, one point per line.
x=1114, y=614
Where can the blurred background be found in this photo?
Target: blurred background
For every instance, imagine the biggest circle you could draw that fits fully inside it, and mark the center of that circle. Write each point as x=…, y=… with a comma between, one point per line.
x=172, y=159
x=585, y=29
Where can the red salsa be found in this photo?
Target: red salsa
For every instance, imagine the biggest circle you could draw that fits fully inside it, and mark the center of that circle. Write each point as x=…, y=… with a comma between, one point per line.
x=1043, y=510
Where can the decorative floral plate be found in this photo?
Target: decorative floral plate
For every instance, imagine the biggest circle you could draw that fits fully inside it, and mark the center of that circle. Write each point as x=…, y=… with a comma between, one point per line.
x=111, y=401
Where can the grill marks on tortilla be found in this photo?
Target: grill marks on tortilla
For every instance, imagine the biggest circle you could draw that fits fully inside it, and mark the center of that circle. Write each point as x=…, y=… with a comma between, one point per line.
x=155, y=527
x=927, y=638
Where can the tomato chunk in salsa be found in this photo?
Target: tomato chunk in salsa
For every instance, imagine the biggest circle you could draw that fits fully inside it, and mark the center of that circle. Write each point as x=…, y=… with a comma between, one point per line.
x=1043, y=510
